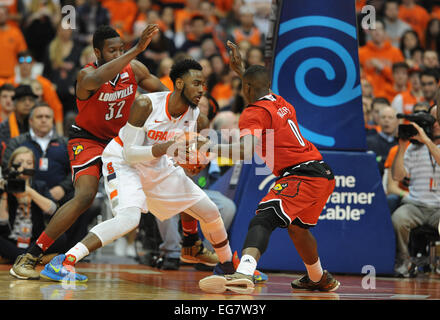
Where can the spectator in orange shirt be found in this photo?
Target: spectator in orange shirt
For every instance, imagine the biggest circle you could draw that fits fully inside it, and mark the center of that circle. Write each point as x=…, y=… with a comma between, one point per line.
x=405, y=101
x=163, y=73
x=378, y=55
x=247, y=29
x=416, y=16
x=122, y=15
x=17, y=122
x=399, y=83
x=197, y=33
x=25, y=76
x=183, y=16
x=223, y=7
x=219, y=84
x=11, y=43
x=7, y=106
x=182, y=20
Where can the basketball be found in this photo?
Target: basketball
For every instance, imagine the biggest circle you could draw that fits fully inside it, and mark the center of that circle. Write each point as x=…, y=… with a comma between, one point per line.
x=197, y=156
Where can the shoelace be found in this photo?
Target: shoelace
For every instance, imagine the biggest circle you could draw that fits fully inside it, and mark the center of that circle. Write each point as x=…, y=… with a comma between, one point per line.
x=30, y=262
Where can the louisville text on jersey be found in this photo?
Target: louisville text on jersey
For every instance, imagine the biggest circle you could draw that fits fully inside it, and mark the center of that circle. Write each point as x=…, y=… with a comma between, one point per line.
x=117, y=95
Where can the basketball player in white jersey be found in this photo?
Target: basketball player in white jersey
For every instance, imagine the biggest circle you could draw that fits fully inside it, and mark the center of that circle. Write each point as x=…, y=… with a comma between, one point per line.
x=140, y=176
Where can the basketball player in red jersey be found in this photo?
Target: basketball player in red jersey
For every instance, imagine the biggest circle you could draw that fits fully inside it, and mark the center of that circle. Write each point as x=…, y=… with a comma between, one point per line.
x=105, y=91
x=295, y=202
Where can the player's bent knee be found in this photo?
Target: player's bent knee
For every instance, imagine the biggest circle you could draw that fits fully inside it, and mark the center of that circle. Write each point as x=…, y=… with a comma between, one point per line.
x=260, y=228
x=112, y=229
x=268, y=219
x=214, y=231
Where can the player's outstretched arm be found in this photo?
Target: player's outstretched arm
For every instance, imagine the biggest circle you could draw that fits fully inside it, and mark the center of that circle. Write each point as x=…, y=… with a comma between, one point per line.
x=235, y=62
x=145, y=79
x=242, y=150
x=91, y=79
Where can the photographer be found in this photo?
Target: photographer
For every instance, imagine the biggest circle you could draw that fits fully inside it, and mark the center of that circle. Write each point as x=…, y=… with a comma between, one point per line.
x=421, y=163
x=23, y=204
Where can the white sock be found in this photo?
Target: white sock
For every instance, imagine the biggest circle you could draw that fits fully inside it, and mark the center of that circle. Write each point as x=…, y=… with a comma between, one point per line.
x=79, y=251
x=247, y=265
x=314, y=271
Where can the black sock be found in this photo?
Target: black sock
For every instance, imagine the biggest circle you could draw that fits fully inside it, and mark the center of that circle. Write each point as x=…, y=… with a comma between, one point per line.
x=190, y=239
x=35, y=250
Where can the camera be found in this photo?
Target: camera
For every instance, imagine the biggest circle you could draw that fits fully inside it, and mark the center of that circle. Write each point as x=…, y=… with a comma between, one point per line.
x=13, y=183
x=423, y=119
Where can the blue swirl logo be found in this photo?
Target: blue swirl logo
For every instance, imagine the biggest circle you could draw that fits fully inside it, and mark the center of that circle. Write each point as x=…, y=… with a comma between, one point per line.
x=346, y=93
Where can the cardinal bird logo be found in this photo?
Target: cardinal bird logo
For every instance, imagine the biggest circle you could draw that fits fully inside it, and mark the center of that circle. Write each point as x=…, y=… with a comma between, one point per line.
x=77, y=149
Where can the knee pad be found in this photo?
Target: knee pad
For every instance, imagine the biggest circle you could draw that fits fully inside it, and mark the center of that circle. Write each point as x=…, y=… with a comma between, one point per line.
x=267, y=218
x=214, y=231
x=261, y=228
x=122, y=223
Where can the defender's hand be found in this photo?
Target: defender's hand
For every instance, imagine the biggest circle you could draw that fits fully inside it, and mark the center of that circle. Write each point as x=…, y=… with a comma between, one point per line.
x=236, y=62
x=146, y=36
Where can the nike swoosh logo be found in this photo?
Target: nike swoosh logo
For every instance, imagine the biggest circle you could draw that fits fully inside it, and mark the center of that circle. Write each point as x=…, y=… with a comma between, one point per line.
x=55, y=269
x=158, y=121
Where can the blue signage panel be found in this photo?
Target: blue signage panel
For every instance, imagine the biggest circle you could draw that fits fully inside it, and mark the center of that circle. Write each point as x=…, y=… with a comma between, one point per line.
x=354, y=229
x=316, y=68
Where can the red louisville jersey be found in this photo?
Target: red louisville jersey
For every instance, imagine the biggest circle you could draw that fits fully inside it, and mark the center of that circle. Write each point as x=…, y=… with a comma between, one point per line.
x=281, y=145
x=107, y=110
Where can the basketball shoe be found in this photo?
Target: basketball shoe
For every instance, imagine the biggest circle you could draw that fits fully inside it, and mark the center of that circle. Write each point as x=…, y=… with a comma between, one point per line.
x=198, y=254
x=24, y=267
x=236, y=282
x=258, y=275
x=327, y=283
x=55, y=270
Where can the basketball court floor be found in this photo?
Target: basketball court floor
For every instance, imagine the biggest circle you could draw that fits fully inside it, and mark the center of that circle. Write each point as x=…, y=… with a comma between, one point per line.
x=113, y=281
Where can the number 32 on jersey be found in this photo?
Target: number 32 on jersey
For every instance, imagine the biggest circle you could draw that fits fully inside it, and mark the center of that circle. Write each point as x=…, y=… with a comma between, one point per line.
x=115, y=110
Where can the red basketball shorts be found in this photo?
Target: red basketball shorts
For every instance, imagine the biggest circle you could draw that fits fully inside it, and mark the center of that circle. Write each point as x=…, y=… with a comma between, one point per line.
x=298, y=199
x=85, y=157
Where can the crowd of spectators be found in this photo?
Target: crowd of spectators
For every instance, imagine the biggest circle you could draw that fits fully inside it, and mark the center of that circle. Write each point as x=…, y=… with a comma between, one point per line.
x=399, y=67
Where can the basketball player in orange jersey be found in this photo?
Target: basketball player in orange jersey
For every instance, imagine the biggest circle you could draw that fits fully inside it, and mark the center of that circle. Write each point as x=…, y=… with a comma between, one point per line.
x=295, y=202
x=139, y=175
x=105, y=91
